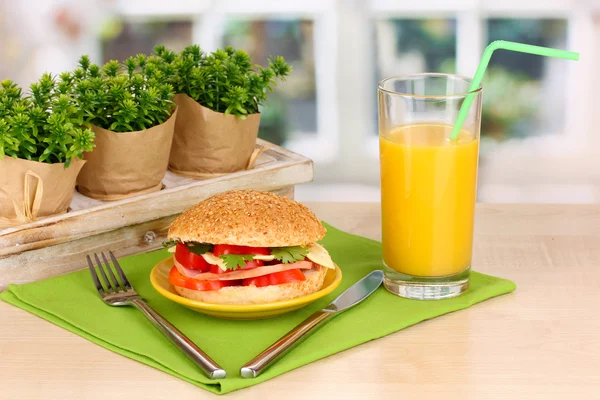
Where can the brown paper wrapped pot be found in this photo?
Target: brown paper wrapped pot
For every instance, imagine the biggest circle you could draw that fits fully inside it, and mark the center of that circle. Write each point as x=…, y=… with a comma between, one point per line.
x=31, y=189
x=126, y=164
x=208, y=143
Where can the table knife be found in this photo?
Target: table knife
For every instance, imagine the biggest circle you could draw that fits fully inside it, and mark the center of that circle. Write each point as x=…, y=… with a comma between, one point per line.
x=352, y=296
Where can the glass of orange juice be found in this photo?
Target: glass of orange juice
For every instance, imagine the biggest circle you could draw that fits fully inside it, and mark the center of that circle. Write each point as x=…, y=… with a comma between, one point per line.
x=428, y=184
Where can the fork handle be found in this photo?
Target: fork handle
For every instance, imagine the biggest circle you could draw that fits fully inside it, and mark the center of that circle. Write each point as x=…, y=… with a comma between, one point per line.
x=200, y=358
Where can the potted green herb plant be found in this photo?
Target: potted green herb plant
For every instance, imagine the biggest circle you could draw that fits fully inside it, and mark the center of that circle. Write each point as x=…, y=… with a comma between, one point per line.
x=218, y=97
x=41, y=148
x=130, y=110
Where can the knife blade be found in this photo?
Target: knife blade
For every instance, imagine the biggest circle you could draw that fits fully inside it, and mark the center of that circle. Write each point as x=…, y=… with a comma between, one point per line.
x=351, y=297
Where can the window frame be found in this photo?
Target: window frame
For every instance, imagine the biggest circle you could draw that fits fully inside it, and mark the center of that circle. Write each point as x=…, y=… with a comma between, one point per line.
x=208, y=20
x=573, y=140
x=345, y=148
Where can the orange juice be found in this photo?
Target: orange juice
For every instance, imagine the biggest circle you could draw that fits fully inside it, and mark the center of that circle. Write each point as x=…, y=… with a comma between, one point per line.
x=428, y=188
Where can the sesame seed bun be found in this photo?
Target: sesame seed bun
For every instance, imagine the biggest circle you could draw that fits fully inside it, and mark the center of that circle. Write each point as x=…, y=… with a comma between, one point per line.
x=248, y=218
x=259, y=295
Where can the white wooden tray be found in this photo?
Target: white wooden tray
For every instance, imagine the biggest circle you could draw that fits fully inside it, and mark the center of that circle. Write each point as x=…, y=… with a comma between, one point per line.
x=57, y=245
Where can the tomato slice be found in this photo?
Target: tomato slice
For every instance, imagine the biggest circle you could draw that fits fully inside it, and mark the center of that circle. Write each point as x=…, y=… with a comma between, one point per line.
x=253, y=264
x=177, y=279
x=215, y=269
x=276, y=278
x=220, y=249
x=190, y=260
x=249, y=265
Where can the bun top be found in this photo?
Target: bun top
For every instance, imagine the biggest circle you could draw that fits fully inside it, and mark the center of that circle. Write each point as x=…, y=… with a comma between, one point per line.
x=248, y=218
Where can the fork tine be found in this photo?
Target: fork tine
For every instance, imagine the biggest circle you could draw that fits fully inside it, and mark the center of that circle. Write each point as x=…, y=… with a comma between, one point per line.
x=94, y=275
x=120, y=271
x=112, y=274
x=109, y=286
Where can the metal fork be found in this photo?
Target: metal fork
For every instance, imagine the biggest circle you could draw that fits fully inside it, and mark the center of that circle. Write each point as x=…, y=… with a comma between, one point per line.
x=121, y=293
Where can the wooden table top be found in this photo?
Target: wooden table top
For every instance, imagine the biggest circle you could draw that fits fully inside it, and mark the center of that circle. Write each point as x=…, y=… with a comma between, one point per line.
x=540, y=342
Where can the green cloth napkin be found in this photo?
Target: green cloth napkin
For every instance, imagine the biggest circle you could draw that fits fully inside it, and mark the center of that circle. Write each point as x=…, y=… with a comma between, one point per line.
x=71, y=301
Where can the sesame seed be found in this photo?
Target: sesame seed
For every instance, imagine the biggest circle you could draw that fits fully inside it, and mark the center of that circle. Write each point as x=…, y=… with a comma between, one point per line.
x=248, y=217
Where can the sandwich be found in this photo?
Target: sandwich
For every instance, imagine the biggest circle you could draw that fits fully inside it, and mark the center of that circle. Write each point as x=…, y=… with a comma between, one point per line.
x=247, y=247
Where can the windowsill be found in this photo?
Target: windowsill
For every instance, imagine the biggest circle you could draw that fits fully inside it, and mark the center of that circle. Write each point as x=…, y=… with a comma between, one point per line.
x=487, y=193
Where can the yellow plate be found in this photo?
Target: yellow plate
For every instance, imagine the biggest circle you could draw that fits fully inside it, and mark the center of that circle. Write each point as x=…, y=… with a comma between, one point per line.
x=160, y=281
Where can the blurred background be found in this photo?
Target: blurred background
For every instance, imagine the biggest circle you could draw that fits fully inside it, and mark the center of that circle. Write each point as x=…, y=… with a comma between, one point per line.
x=538, y=138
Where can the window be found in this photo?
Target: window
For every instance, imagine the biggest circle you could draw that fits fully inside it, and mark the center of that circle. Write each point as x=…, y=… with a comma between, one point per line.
x=292, y=109
x=537, y=115
x=302, y=113
x=406, y=46
x=123, y=38
x=415, y=45
x=524, y=95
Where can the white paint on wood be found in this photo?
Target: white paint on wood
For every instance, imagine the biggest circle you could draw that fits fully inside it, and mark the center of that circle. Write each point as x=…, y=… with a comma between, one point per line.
x=282, y=169
x=56, y=245
x=69, y=256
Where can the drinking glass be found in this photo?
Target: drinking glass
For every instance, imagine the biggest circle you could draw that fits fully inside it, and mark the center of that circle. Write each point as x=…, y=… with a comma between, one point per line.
x=428, y=184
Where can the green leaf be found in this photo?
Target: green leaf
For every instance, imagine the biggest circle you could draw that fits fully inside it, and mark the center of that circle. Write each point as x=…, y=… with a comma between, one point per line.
x=200, y=248
x=169, y=243
x=224, y=81
x=288, y=255
x=196, y=248
x=129, y=96
x=235, y=261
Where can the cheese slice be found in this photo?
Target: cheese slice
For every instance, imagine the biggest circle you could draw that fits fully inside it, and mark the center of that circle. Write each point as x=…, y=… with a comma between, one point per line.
x=214, y=260
x=318, y=255
x=264, y=257
x=243, y=273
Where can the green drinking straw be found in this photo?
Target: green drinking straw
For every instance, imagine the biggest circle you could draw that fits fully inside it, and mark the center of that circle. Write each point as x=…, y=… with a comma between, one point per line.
x=485, y=59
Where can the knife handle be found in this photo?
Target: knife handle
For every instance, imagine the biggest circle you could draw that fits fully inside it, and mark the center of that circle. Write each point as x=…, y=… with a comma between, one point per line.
x=253, y=368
